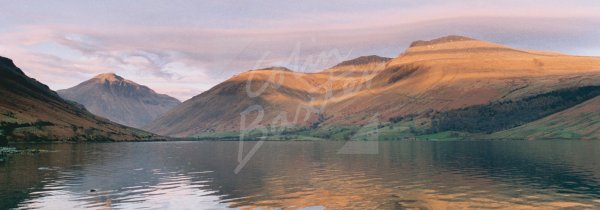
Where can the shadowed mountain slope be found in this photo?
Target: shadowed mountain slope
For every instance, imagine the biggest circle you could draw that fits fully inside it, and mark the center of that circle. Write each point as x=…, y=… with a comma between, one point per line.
x=579, y=122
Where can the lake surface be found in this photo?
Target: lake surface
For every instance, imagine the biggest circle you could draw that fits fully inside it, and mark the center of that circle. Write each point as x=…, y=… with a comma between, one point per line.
x=312, y=175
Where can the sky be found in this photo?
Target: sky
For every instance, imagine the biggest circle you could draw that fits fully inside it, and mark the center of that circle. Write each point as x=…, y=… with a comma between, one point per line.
x=184, y=47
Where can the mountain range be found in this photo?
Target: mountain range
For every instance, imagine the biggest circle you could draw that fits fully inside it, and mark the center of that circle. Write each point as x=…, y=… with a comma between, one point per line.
x=30, y=111
x=435, y=89
x=452, y=87
x=120, y=100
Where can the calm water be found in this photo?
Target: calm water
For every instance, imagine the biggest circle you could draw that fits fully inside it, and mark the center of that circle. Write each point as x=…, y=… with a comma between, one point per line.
x=200, y=175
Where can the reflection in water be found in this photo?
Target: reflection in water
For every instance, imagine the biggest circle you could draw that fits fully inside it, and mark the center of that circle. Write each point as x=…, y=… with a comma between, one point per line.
x=192, y=175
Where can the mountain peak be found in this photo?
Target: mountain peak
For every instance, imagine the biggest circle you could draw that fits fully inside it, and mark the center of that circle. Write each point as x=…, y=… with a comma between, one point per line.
x=363, y=60
x=273, y=68
x=455, y=44
x=119, y=100
x=109, y=77
x=441, y=40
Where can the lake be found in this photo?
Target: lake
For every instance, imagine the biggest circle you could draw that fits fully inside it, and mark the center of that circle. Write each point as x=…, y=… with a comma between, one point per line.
x=311, y=175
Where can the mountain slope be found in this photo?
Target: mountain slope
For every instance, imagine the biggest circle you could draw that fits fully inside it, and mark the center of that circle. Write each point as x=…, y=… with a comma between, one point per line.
x=286, y=98
x=219, y=108
x=430, y=76
x=579, y=122
x=120, y=100
x=455, y=72
x=30, y=111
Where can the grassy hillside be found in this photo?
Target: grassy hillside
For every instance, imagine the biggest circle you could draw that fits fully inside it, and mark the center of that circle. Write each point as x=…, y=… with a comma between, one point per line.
x=579, y=122
x=502, y=115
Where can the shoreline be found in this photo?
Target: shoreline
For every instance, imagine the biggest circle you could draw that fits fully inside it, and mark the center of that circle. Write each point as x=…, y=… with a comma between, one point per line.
x=10, y=144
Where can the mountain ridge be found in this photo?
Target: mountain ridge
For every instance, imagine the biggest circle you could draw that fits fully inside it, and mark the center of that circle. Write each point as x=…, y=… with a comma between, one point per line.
x=438, y=75
x=362, y=60
x=445, y=39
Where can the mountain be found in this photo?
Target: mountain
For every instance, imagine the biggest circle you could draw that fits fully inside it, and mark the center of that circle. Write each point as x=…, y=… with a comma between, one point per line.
x=279, y=91
x=431, y=78
x=120, y=100
x=30, y=111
